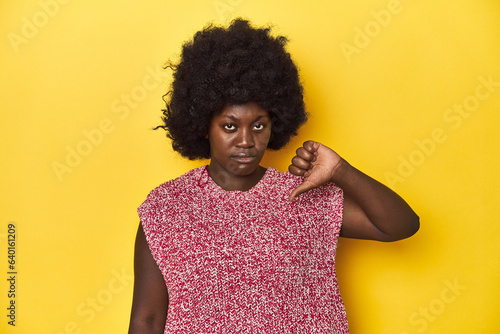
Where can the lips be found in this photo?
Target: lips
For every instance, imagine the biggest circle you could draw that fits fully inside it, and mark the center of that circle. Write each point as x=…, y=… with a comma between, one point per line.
x=244, y=158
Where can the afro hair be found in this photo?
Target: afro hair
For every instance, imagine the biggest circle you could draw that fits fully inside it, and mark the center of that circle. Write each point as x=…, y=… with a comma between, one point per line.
x=231, y=66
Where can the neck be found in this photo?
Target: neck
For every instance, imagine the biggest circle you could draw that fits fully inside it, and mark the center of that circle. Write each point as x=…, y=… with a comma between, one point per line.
x=230, y=182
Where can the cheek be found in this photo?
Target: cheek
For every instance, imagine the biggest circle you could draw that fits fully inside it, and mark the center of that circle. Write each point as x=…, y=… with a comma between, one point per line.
x=220, y=143
x=264, y=139
x=268, y=136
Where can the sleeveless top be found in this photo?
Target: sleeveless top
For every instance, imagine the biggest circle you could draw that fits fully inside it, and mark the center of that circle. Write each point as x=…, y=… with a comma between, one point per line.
x=247, y=261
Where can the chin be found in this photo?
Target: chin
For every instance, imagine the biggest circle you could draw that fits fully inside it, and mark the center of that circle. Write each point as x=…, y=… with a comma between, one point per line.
x=244, y=169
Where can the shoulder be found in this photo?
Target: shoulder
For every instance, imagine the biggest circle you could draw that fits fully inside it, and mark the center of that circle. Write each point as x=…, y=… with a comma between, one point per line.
x=326, y=200
x=283, y=178
x=285, y=182
x=172, y=190
x=177, y=185
x=288, y=179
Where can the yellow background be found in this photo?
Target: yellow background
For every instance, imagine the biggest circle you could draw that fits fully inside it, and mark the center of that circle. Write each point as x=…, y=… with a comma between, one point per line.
x=381, y=90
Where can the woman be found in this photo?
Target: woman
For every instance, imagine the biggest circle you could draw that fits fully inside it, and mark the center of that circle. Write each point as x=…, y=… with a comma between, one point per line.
x=234, y=247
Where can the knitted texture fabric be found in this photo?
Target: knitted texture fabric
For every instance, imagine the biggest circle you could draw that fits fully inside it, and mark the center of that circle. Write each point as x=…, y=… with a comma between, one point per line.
x=247, y=261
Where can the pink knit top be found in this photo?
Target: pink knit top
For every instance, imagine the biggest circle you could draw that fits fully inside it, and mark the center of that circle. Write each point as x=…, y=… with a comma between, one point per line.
x=246, y=261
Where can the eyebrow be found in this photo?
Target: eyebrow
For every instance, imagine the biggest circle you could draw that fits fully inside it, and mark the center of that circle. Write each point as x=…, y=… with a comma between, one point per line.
x=234, y=118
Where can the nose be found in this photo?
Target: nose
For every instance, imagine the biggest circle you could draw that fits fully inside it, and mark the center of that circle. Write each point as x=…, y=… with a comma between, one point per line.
x=244, y=138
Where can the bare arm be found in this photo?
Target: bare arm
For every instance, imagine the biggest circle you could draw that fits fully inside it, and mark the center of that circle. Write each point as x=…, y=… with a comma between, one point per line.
x=150, y=304
x=371, y=210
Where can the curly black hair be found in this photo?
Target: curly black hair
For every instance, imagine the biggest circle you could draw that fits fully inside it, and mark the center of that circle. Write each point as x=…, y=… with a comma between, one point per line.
x=231, y=66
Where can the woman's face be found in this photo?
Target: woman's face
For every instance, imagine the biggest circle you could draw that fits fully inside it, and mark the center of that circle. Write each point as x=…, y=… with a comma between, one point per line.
x=238, y=138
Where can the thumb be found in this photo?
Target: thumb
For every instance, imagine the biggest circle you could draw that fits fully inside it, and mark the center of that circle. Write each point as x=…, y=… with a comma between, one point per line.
x=301, y=188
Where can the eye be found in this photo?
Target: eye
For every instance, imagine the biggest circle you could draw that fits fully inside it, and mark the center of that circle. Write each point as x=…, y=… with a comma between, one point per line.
x=229, y=127
x=258, y=127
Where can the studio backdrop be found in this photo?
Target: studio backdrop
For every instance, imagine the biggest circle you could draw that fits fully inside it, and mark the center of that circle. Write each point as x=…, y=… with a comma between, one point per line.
x=407, y=91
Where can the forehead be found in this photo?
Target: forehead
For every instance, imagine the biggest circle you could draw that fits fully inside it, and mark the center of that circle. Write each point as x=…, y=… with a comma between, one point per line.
x=250, y=110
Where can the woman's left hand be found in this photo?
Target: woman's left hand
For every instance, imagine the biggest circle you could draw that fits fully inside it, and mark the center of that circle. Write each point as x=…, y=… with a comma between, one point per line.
x=370, y=209
x=316, y=163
